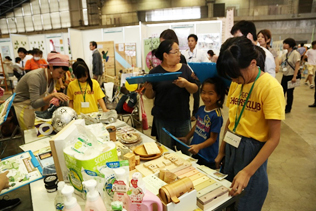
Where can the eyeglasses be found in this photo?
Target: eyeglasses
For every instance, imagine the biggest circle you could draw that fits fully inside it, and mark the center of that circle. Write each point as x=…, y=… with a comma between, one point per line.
x=177, y=52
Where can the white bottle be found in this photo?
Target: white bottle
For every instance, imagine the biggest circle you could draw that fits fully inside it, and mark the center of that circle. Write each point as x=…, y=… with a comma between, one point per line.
x=59, y=199
x=94, y=201
x=120, y=187
x=70, y=201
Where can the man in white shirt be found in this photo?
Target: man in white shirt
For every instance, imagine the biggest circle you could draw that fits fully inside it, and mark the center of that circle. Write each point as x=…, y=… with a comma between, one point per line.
x=195, y=55
x=24, y=57
x=311, y=66
x=248, y=29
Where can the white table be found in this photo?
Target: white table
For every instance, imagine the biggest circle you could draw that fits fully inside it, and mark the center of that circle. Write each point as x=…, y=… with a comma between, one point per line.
x=41, y=200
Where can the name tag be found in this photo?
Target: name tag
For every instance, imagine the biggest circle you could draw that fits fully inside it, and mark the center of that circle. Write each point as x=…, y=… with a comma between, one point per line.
x=85, y=105
x=232, y=139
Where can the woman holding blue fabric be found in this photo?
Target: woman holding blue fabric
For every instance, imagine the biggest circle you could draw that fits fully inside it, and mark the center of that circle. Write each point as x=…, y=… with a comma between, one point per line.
x=256, y=108
x=171, y=105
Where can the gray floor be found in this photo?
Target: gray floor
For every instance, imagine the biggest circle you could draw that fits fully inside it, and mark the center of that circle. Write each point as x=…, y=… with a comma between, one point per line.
x=291, y=167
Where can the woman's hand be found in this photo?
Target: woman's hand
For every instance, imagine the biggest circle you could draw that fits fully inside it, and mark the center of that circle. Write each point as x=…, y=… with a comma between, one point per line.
x=194, y=149
x=61, y=96
x=4, y=181
x=218, y=160
x=183, y=139
x=294, y=79
x=239, y=183
x=181, y=82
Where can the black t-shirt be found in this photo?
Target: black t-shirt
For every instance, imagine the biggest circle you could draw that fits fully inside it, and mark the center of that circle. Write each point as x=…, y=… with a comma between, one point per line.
x=171, y=101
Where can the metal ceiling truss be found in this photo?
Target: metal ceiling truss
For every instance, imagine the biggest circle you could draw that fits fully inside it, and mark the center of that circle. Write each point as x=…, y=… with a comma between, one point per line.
x=8, y=6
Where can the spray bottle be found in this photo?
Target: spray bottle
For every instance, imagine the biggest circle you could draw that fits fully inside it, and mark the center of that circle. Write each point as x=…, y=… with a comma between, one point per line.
x=94, y=201
x=59, y=199
x=70, y=201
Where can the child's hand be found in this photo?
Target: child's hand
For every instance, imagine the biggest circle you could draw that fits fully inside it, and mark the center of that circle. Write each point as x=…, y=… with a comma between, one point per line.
x=181, y=82
x=183, y=139
x=218, y=160
x=4, y=180
x=194, y=149
x=239, y=183
x=62, y=87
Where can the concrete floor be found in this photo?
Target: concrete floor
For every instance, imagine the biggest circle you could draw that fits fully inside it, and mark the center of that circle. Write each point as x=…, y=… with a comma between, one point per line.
x=291, y=167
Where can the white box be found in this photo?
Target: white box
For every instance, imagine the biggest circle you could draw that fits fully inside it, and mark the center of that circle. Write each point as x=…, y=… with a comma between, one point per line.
x=187, y=203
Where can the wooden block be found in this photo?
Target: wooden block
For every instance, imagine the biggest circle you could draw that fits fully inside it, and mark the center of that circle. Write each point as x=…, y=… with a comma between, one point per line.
x=208, y=189
x=181, y=167
x=155, y=171
x=151, y=148
x=173, y=159
x=200, y=180
x=130, y=157
x=204, y=184
x=147, y=164
x=166, y=162
x=207, y=198
x=131, y=167
x=137, y=160
x=152, y=166
x=169, y=177
x=190, y=173
x=196, y=176
x=160, y=165
x=178, y=163
x=186, y=170
x=167, y=156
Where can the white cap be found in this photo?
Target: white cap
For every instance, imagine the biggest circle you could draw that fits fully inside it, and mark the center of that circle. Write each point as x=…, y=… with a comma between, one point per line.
x=120, y=173
x=92, y=194
x=70, y=201
x=60, y=185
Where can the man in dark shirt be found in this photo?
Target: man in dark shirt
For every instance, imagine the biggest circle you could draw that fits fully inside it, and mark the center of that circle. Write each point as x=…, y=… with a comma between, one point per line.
x=97, y=67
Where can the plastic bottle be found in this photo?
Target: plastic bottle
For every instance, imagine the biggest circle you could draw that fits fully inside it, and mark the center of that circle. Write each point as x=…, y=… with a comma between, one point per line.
x=70, y=201
x=94, y=201
x=59, y=199
x=120, y=187
x=143, y=200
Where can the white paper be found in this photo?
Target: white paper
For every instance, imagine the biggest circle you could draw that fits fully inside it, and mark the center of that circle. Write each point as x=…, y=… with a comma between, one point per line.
x=291, y=85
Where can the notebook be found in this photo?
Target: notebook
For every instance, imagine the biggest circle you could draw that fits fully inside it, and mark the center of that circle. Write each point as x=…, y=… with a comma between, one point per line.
x=153, y=77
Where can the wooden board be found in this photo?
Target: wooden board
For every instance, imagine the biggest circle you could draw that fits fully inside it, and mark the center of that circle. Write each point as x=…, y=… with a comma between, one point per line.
x=127, y=54
x=109, y=66
x=145, y=171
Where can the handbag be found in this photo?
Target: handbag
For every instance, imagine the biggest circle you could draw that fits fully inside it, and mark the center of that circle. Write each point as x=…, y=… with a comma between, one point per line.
x=144, y=116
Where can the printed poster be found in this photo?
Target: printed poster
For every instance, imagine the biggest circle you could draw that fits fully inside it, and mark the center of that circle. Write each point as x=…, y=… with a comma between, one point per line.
x=5, y=51
x=23, y=169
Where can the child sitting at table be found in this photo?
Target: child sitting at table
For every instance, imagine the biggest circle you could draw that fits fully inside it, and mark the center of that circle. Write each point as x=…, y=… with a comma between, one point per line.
x=84, y=93
x=208, y=124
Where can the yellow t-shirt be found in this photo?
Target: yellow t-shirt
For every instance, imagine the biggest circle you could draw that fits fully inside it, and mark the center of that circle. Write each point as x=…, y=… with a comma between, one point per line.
x=265, y=102
x=76, y=96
